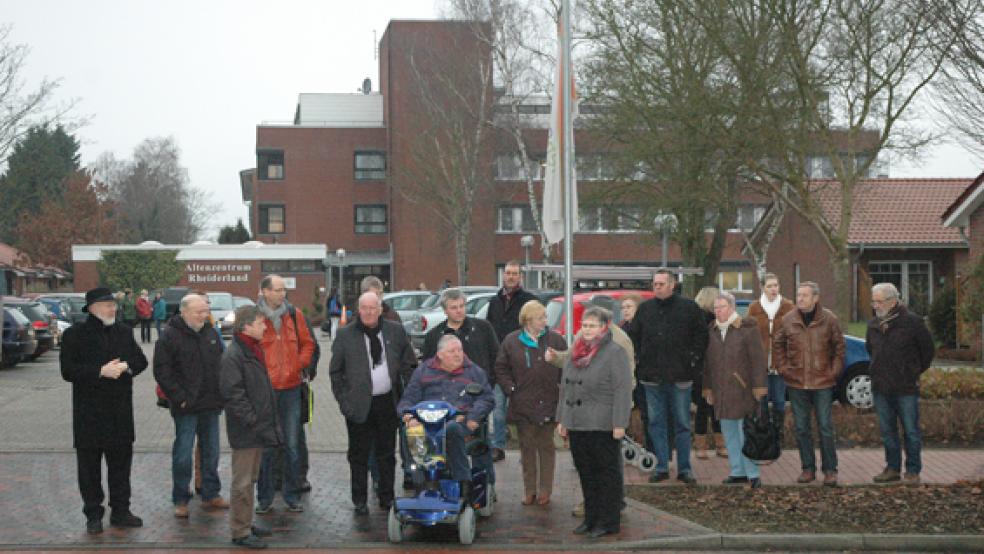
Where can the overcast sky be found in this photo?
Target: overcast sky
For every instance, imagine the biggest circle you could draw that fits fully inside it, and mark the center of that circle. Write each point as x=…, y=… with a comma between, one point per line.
x=207, y=72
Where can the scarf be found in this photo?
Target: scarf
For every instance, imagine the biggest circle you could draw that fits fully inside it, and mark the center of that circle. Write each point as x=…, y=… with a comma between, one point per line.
x=808, y=316
x=585, y=350
x=892, y=314
x=375, y=345
x=771, y=308
x=253, y=345
x=527, y=340
x=723, y=326
x=273, y=314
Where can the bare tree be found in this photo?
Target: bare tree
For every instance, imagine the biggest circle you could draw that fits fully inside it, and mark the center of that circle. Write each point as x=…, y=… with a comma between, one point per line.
x=853, y=71
x=22, y=107
x=154, y=193
x=959, y=93
x=449, y=163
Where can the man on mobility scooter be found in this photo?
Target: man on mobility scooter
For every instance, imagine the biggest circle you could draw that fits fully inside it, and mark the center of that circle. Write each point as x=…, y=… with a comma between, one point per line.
x=443, y=407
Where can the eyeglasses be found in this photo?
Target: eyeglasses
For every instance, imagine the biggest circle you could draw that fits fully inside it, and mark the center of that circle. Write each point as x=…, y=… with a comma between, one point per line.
x=591, y=325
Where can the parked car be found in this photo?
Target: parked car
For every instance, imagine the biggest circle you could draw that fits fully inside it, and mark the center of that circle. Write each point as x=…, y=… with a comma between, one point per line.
x=407, y=302
x=221, y=305
x=172, y=299
x=40, y=320
x=75, y=301
x=19, y=342
x=427, y=317
x=228, y=322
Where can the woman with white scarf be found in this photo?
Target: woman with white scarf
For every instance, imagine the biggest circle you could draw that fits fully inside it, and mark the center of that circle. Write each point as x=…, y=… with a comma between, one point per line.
x=768, y=311
x=734, y=382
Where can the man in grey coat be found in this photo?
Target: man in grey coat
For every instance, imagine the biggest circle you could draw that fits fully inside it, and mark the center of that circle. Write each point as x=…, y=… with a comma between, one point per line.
x=370, y=361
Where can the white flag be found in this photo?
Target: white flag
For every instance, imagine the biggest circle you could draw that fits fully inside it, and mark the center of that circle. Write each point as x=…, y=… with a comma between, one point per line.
x=553, y=180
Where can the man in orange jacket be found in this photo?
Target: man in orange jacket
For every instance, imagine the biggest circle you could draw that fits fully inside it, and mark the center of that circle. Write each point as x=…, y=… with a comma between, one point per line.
x=287, y=347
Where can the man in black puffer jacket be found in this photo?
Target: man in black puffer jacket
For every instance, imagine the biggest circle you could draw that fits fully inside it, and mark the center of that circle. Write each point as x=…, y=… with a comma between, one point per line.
x=669, y=335
x=186, y=366
x=901, y=349
x=251, y=420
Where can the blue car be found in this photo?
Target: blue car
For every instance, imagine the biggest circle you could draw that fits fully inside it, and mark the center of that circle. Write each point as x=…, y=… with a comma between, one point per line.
x=854, y=384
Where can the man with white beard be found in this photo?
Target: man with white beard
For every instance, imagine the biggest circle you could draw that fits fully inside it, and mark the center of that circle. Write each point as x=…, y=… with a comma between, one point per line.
x=100, y=358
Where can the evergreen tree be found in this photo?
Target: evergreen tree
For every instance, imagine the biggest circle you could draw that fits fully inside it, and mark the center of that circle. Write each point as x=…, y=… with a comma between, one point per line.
x=234, y=235
x=36, y=171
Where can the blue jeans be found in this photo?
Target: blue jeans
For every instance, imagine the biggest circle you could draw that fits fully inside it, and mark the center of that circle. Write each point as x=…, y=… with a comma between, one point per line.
x=289, y=418
x=890, y=409
x=734, y=440
x=777, y=392
x=805, y=403
x=186, y=427
x=658, y=397
x=498, y=438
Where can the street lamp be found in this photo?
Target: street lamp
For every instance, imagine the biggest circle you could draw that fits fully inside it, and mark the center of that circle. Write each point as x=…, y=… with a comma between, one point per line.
x=340, y=254
x=526, y=242
x=666, y=223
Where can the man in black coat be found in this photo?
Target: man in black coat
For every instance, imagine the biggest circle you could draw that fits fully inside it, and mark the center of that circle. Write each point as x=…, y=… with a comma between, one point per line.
x=100, y=358
x=370, y=361
x=477, y=335
x=669, y=336
x=186, y=366
x=901, y=349
x=503, y=314
x=251, y=420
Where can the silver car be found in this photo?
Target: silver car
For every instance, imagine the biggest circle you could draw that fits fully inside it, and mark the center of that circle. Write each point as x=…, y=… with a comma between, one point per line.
x=222, y=306
x=407, y=302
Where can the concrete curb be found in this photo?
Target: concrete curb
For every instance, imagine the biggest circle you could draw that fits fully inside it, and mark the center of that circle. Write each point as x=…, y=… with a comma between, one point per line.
x=731, y=542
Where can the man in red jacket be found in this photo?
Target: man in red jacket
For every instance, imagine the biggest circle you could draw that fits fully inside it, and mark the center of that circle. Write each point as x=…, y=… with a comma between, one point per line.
x=287, y=347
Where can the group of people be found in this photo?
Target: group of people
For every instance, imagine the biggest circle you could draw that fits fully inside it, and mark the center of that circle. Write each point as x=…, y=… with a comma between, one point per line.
x=667, y=351
x=141, y=311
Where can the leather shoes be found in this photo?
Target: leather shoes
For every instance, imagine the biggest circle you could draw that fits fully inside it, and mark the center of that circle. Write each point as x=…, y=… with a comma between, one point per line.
x=126, y=520
x=755, y=483
x=734, y=480
x=686, y=478
x=217, y=503
x=601, y=532
x=361, y=510
x=94, y=526
x=249, y=541
x=658, y=477
x=806, y=477
x=582, y=529
x=830, y=478
x=181, y=511
x=385, y=505
x=498, y=454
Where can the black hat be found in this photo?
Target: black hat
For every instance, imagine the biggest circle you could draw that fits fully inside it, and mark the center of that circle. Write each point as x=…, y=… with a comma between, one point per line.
x=99, y=294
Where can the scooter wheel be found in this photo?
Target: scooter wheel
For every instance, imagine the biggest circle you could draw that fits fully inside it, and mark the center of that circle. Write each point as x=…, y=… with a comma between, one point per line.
x=394, y=527
x=466, y=526
x=629, y=453
x=487, y=509
x=647, y=462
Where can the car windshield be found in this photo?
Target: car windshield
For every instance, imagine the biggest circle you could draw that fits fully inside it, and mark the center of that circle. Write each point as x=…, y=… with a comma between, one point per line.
x=34, y=312
x=20, y=318
x=406, y=302
x=220, y=301
x=430, y=302
x=76, y=303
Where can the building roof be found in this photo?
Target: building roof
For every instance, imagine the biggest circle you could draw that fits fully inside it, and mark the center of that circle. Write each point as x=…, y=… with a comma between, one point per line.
x=339, y=110
x=897, y=212
x=958, y=213
x=252, y=250
x=13, y=260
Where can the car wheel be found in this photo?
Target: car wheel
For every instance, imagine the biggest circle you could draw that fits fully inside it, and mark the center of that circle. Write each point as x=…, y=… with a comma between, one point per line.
x=856, y=388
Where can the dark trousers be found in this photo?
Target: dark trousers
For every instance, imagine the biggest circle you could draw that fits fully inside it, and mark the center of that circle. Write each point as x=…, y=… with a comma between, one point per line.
x=118, y=460
x=704, y=411
x=806, y=403
x=145, y=330
x=598, y=460
x=378, y=432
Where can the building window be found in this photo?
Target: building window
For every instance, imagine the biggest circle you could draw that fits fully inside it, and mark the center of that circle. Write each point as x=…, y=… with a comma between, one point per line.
x=515, y=219
x=511, y=167
x=370, y=166
x=736, y=281
x=270, y=164
x=609, y=219
x=913, y=279
x=370, y=219
x=594, y=167
x=748, y=217
x=291, y=266
x=273, y=219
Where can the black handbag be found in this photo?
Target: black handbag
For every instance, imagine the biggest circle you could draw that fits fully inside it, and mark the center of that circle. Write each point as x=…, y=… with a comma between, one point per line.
x=763, y=435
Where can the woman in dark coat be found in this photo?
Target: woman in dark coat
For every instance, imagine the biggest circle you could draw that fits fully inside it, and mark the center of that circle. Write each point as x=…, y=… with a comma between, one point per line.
x=531, y=384
x=100, y=358
x=735, y=381
x=595, y=401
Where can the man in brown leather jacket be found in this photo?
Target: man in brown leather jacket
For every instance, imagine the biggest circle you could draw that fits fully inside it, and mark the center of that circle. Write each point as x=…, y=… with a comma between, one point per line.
x=808, y=351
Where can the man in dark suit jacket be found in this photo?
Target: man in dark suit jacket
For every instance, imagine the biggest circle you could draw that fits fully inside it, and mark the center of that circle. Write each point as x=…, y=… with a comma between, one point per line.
x=370, y=361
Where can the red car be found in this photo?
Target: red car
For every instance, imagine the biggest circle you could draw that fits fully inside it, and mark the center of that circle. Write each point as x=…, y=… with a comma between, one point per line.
x=608, y=299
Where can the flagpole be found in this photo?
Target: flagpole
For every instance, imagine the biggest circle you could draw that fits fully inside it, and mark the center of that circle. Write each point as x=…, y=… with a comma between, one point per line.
x=568, y=158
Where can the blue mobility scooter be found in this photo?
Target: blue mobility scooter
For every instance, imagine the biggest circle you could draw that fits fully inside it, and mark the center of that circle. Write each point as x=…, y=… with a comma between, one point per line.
x=439, y=499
